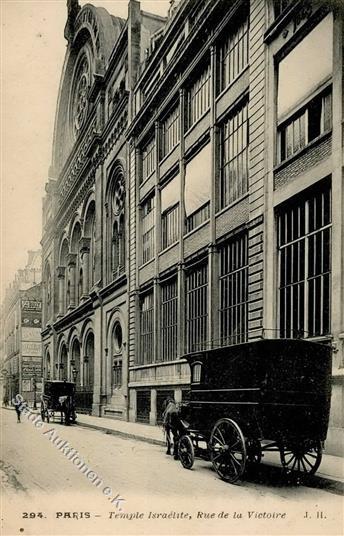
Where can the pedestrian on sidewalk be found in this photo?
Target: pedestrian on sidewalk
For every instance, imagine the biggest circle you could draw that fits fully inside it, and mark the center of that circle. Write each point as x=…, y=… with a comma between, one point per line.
x=18, y=409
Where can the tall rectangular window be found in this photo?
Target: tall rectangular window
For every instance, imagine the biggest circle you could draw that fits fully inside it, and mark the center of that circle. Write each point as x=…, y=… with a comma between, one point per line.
x=146, y=353
x=170, y=195
x=233, y=285
x=234, y=54
x=170, y=132
x=312, y=120
x=197, y=308
x=304, y=246
x=198, y=97
x=197, y=188
x=234, y=157
x=147, y=229
x=148, y=159
x=169, y=316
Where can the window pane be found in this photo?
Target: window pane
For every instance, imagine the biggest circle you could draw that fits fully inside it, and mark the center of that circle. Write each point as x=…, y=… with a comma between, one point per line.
x=305, y=265
x=315, y=52
x=197, y=180
x=197, y=309
x=233, y=285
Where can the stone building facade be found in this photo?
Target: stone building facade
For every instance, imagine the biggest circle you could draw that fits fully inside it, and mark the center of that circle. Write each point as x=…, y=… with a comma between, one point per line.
x=85, y=210
x=21, y=346
x=195, y=195
x=236, y=190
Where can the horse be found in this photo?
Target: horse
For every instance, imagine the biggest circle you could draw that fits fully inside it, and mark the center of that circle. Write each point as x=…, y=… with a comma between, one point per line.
x=172, y=424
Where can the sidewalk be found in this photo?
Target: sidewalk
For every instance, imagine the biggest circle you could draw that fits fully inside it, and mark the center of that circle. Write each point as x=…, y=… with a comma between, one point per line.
x=331, y=468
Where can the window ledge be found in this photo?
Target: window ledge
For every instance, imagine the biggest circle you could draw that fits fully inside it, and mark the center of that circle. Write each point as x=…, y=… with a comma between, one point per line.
x=171, y=246
x=231, y=205
x=177, y=361
x=168, y=154
x=146, y=263
x=203, y=224
x=194, y=125
x=302, y=151
x=233, y=82
x=147, y=179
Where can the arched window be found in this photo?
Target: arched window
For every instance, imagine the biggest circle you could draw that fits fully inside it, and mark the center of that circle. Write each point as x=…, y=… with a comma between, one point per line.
x=90, y=234
x=116, y=223
x=117, y=348
x=63, y=367
x=47, y=366
x=64, y=284
x=75, y=248
x=88, y=363
x=74, y=372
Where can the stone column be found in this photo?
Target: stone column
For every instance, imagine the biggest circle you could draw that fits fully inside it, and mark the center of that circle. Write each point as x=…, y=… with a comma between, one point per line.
x=85, y=259
x=71, y=263
x=61, y=272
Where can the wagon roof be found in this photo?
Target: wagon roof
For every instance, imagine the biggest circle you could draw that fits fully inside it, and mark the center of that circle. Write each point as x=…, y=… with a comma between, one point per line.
x=260, y=347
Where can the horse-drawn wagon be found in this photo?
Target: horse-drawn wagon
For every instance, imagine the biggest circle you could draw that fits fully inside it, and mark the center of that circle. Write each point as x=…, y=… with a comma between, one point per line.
x=246, y=399
x=58, y=396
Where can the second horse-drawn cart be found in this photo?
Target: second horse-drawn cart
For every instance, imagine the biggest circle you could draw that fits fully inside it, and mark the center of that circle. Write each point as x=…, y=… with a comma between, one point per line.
x=58, y=396
x=268, y=395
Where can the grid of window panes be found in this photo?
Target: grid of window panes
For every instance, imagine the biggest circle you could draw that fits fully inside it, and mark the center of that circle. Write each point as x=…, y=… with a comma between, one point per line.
x=198, y=217
x=170, y=132
x=304, y=243
x=234, y=54
x=199, y=98
x=233, y=281
x=148, y=226
x=197, y=308
x=309, y=122
x=170, y=226
x=169, y=311
x=146, y=329
x=234, y=157
x=148, y=159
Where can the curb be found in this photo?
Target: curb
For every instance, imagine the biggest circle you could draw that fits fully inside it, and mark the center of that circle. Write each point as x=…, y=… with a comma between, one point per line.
x=124, y=435
x=316, y=482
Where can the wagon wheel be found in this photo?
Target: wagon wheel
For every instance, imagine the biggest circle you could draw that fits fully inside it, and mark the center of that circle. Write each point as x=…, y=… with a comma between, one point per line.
x=254, y=451
x=186, y=451
x=227, y=450
x=304, y=457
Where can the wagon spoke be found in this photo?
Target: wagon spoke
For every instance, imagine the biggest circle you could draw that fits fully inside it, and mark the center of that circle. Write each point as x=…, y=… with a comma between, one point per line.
x=223, y=440
x=218, y=456
x=219, y=440
x=234, y=459
x=303, y=465
x=305, y=459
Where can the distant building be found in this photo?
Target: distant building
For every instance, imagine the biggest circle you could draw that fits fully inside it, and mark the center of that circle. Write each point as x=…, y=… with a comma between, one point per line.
x=21, y=331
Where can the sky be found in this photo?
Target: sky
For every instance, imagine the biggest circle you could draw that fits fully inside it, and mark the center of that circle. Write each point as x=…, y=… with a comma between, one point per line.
x=32, y=54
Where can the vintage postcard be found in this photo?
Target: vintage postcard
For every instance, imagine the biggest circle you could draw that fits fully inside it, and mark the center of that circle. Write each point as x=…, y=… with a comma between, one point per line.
x=172, y=267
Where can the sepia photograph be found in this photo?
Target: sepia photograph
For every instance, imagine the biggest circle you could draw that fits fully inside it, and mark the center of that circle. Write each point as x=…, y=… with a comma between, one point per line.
x=172, y=267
